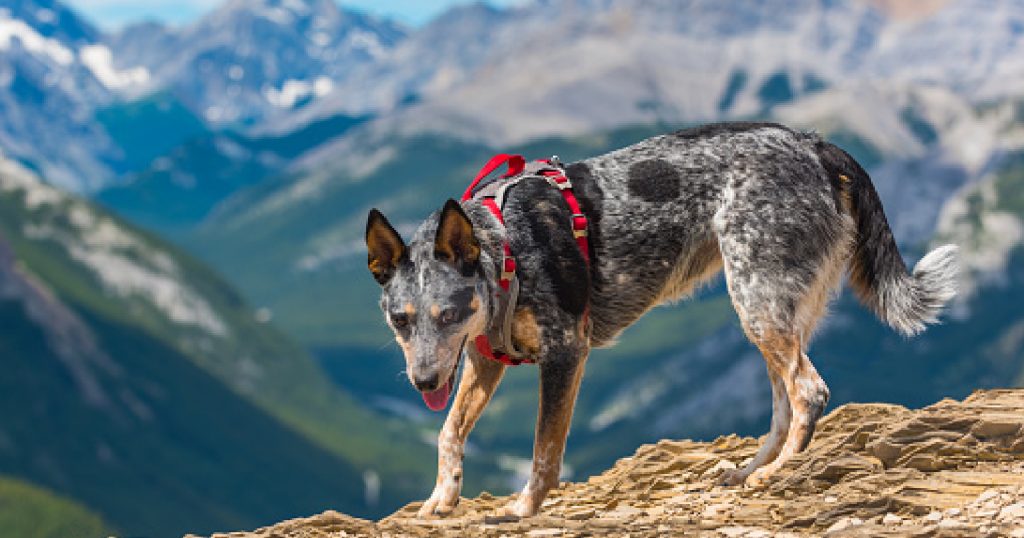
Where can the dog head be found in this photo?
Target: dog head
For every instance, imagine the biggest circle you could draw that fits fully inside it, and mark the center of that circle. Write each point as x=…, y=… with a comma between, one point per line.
x=434, y=294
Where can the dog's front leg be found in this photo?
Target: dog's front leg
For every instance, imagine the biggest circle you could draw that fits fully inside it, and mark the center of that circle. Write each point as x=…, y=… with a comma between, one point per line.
x=480, y=377
x=560, y=378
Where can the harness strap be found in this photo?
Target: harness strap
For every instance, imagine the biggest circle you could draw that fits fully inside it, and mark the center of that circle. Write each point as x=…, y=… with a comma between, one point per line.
x=580, y=224
x=493, y=200
x=516, y=164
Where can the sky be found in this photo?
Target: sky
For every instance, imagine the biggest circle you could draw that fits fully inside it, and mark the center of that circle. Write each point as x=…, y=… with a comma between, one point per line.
x=112, y=14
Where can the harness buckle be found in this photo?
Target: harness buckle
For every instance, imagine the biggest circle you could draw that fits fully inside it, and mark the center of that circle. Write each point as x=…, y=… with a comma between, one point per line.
x=562, y=185
x=508, y=268
x=578, y=223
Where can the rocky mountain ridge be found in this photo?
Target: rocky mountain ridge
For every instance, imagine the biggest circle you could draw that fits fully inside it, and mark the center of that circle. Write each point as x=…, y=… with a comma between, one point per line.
x=540, y=68
x=565, y=67
x=249, y=61
x=53, y=74
x=954, y=468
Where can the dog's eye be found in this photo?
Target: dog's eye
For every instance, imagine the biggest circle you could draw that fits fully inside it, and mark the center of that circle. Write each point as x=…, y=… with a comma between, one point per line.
x=400, y=320
x=447, y=316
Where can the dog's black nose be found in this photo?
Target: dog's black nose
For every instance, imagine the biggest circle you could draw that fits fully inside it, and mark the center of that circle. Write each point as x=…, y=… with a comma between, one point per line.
x=426, y=382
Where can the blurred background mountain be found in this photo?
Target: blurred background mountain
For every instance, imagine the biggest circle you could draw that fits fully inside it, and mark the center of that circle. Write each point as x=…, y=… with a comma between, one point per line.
x=189, y=337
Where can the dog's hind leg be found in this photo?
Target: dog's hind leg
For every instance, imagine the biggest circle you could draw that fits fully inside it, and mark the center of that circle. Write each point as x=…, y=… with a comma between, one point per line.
x=799, y=394
x=807, y=391
x=783, y=256
x=781, y=415
x=807, y=394
x=480, y=377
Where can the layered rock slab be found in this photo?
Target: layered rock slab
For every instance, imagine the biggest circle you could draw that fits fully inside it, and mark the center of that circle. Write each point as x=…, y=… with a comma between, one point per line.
x=949, y=469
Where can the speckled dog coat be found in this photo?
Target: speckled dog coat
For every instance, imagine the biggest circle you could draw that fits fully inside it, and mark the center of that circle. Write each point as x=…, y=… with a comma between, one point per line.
x=782, y=213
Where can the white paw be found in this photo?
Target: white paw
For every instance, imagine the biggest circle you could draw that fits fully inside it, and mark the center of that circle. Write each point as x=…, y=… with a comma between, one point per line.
x=732, y=477
x=760, y=477
x=521, y=507
x=441, y=502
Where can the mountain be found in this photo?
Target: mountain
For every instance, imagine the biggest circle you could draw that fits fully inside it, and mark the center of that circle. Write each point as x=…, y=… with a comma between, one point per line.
x=571, y=67
x=53, y=72
x=269, y=183
x=251, y=60
x=873, y=470
x=136, y=377
x=69, y=94
x=173, y=191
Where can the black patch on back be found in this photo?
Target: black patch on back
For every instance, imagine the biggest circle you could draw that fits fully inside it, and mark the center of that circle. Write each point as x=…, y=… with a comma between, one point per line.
x=654, y=180
x=548, y=229
x=589, y=194
x=729, y=127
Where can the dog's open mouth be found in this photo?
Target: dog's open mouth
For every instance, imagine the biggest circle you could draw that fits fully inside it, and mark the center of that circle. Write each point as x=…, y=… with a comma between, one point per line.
x=437, y=400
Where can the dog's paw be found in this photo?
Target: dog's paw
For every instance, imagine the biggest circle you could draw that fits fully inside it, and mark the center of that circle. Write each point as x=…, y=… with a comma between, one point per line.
x=760, y=478
x=438, y=505
x=522, y=506
x=519, y=507
x=732, y=477
x=502, y=515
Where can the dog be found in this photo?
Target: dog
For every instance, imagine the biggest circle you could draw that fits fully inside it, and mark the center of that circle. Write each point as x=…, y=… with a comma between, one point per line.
x=782, y=213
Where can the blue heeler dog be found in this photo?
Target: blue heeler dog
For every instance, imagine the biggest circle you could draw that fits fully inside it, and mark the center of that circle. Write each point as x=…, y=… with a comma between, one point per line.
x=782, y=213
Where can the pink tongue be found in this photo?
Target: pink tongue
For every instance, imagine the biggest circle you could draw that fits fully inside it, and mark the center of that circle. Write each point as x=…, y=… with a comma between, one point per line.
x=438, y=399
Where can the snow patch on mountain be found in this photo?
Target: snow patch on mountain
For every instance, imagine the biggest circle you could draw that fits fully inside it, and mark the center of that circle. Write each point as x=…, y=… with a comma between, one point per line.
x=99, y=60
x=250, y=61
x=14, y=32
x=293, y=92
x=115, y=257
x=15, y=178
x=126, y=266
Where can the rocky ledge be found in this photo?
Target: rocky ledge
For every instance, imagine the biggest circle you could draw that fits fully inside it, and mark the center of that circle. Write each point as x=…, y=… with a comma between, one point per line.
x=950, y=469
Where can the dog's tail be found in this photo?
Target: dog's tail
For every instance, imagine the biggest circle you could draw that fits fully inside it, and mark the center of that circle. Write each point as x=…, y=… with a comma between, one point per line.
x=907, y=302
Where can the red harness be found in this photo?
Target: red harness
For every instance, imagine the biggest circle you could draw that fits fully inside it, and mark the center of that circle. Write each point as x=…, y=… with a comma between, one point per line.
x=578, y=221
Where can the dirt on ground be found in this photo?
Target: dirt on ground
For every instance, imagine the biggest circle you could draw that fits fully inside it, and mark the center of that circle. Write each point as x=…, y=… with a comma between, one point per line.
x=951, y=469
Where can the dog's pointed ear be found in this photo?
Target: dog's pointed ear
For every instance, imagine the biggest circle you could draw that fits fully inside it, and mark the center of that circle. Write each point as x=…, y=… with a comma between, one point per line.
x=384, y=246
x=455, y=242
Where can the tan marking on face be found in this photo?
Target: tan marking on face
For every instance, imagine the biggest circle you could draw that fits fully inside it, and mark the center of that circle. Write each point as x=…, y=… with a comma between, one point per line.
x=410, y=309
x=525, y=331
x=406, y=348
x=435, y=311
x=475, y=303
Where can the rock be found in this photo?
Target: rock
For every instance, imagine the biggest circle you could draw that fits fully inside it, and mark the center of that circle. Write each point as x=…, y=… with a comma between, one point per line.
x=844, y=524
x=542, y=533
x=950, y=469
x=1014, y=511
